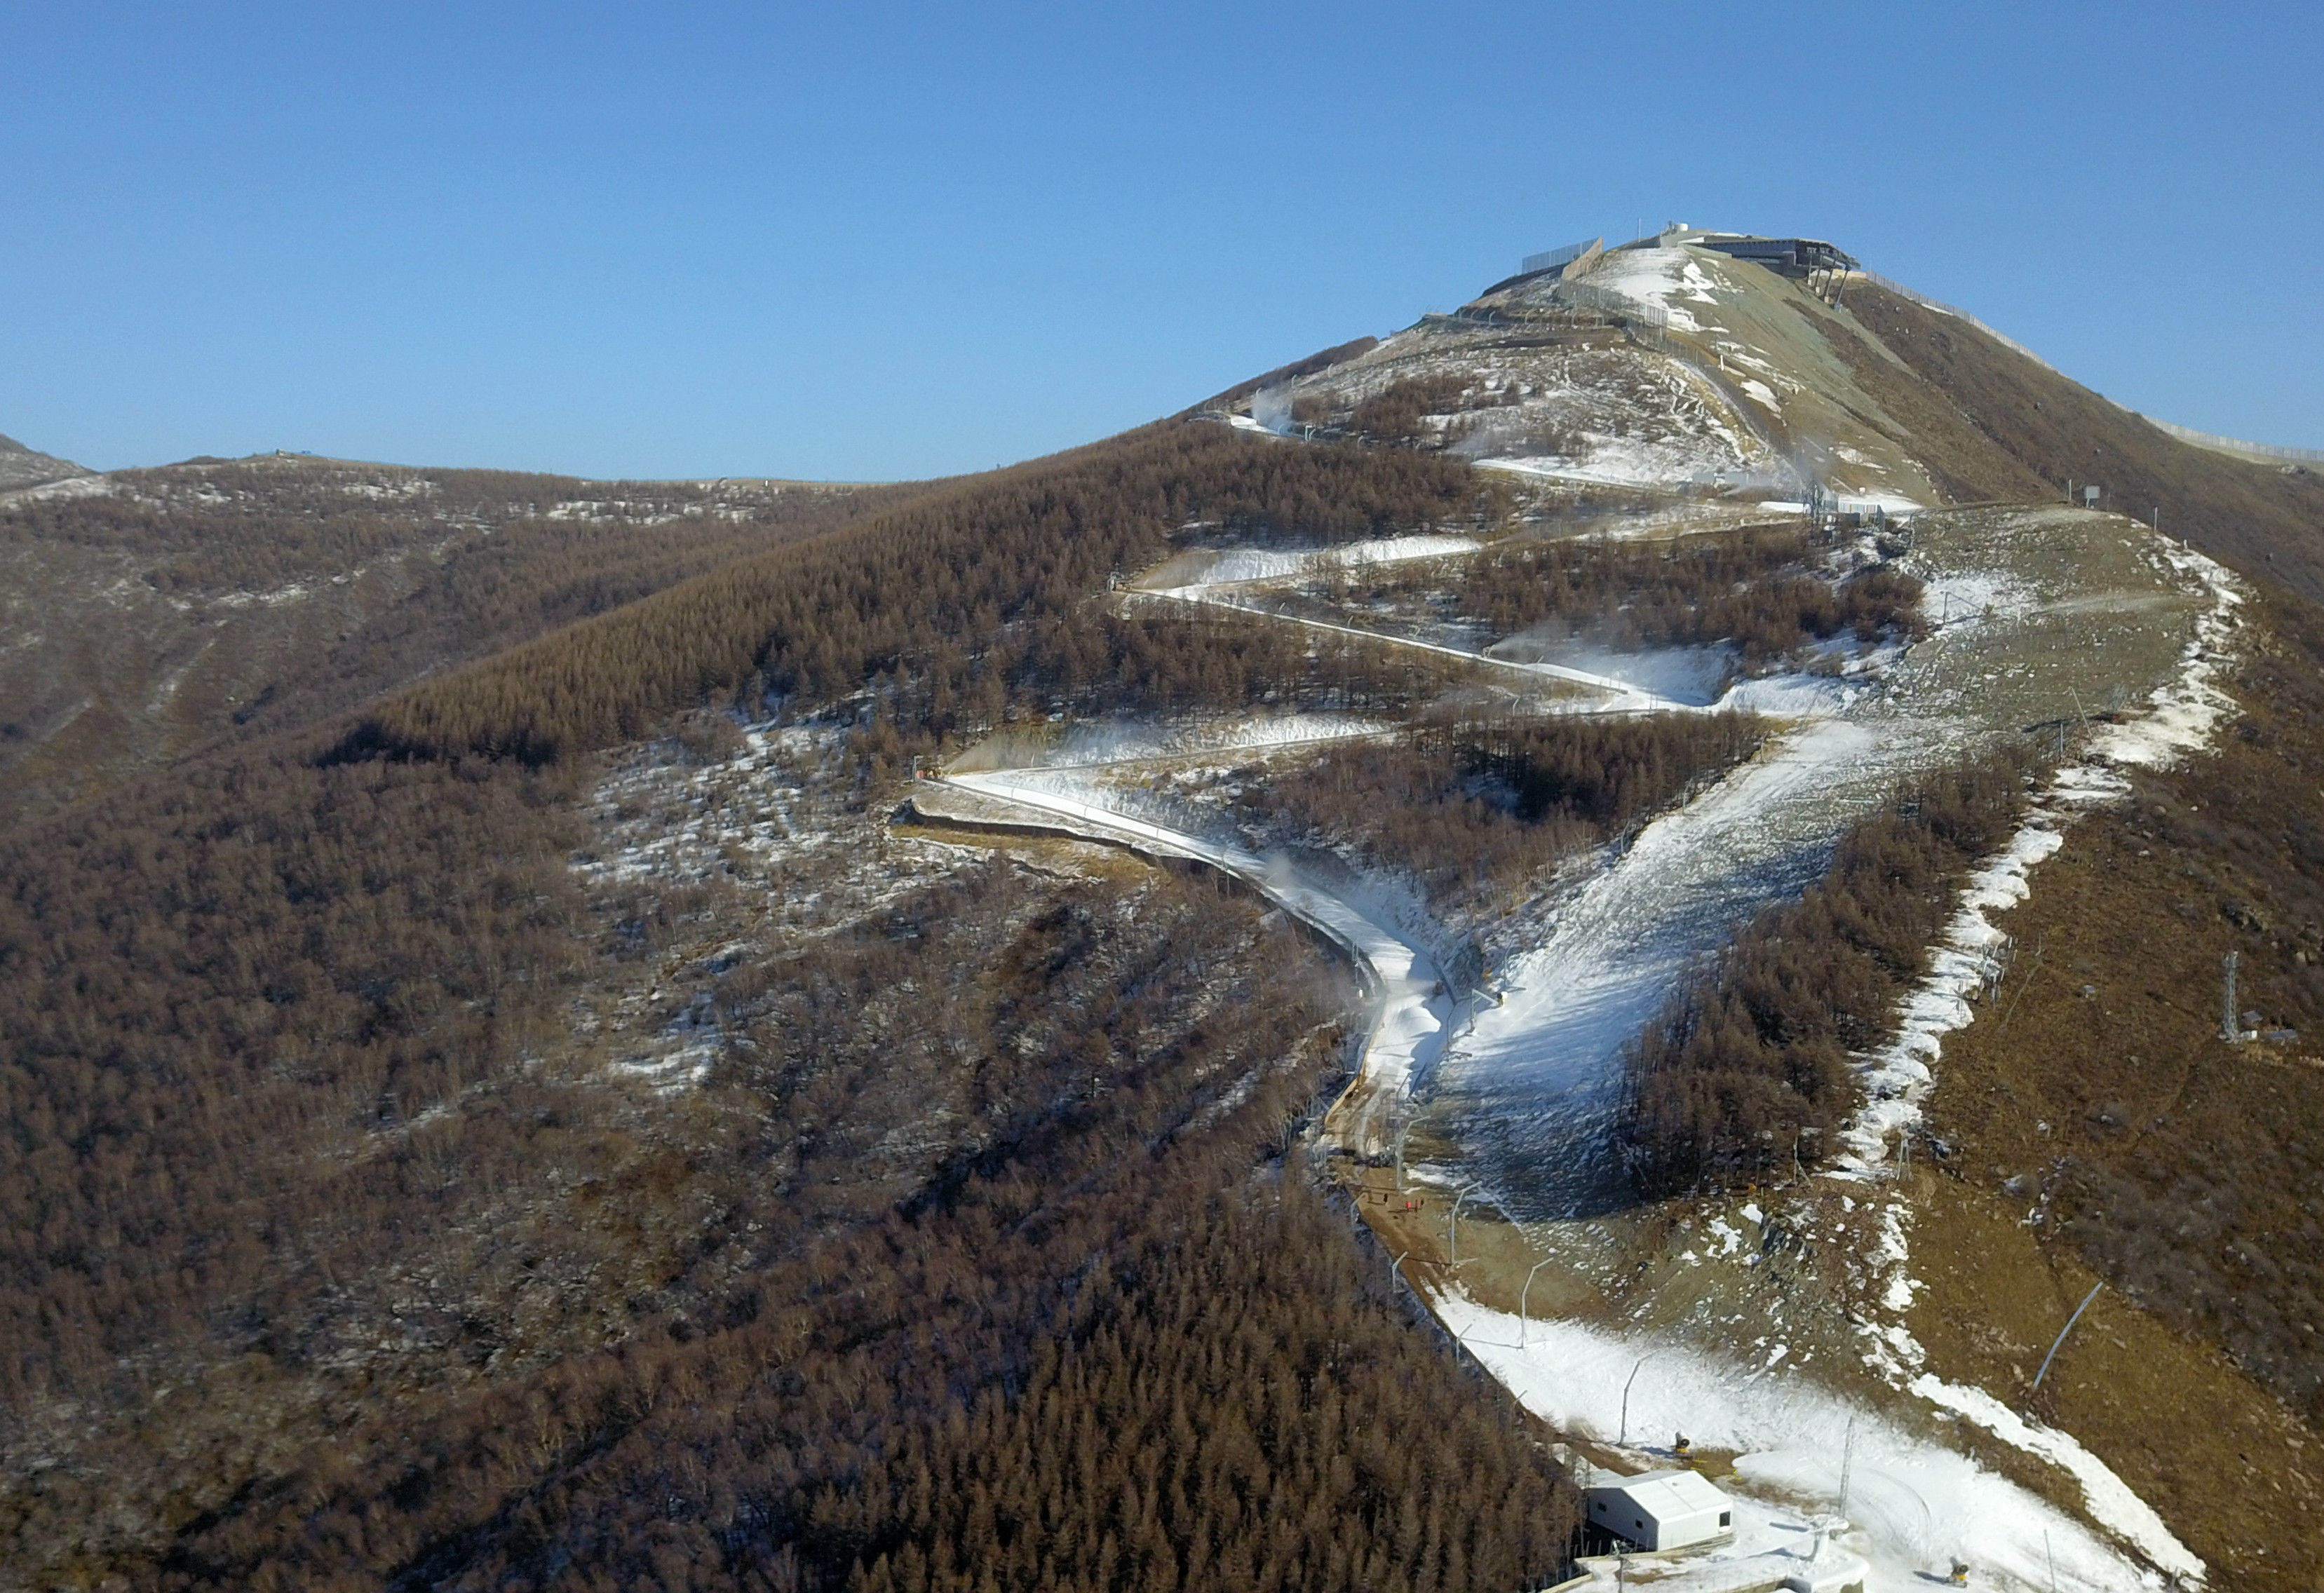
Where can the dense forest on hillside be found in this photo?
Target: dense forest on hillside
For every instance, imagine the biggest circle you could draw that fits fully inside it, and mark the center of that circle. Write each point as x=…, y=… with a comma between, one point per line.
x=254, y=525
x=1103, y=660
x=1087, y=1356
x=286, y=1149
x=1476, y=807
x=164, y=611
x=1751, y=1058
x=949, y=589
x=338, y=1250
x=1761, y=590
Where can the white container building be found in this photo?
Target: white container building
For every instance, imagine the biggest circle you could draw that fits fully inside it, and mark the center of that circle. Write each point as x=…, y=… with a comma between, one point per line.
x=1660, y=1510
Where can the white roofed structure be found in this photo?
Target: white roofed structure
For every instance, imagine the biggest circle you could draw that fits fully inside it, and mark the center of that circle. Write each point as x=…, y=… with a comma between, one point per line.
x=1663, y=1509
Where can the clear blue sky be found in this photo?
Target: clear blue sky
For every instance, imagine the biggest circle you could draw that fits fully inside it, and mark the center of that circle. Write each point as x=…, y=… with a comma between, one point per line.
x=881, y=242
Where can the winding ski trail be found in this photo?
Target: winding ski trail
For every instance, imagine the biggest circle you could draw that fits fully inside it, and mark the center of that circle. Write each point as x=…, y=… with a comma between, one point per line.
x=2035, y=613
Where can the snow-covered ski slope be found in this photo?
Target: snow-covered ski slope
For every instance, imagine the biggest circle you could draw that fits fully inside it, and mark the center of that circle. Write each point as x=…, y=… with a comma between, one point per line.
x=2041, y=611
x=2049, y=627
x=2039, y=615
x=1913, y=1504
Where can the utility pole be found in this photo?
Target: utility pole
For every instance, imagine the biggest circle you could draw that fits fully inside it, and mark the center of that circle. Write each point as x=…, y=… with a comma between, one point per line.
x=2230, y=1025
x=1456, y=1229
x=1521, y=1300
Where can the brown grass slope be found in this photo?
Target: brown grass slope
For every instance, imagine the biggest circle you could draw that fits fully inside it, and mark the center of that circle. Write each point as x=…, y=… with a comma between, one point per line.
x=2184, y=1170
x=2259, y=519
x=2189, y=1172
x=2094, y=1126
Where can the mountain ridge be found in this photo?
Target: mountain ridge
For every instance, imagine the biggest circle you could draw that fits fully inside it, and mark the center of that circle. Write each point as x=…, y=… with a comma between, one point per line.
x=21, y=467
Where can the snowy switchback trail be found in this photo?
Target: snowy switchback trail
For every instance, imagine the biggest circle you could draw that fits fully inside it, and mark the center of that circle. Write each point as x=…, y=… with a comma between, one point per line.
x=1412, y=1012
x=1627, y=696
x=2037, y=614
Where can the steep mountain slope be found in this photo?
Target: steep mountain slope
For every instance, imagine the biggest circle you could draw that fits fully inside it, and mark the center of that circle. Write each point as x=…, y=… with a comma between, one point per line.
x=588, y=1115
x=1661, y=367
x=377, y=1111
x=2265, y=520
x=1652, y=466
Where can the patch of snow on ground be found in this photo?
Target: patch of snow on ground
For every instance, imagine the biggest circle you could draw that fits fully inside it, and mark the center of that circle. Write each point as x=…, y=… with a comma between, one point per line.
x=1627, y=462
x=2182, y=717
x=1913, y=1503
x=1261, y=563
x=2107, y=1499
x=1683, y=676
x=2179, y=719
x=1864, y=501
x=1657, y=277
x=1696, y=284
x=76, y=486
x=1787, y=696
x=1899, y=1076
x=1948, y=596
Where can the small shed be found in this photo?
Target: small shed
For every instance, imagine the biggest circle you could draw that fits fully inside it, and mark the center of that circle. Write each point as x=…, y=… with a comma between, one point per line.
x=1663, y=1509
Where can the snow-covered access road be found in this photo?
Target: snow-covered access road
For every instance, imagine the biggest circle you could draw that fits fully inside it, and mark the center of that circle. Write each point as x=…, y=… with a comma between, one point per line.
x=1627, y=696
x=1412, y=1011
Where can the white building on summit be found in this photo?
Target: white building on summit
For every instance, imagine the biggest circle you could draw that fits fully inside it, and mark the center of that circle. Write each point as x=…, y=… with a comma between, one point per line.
x=1663, y=1509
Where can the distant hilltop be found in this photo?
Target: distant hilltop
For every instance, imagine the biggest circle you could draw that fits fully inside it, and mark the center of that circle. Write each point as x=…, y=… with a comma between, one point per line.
x=21, y=467
x=1798, y=257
